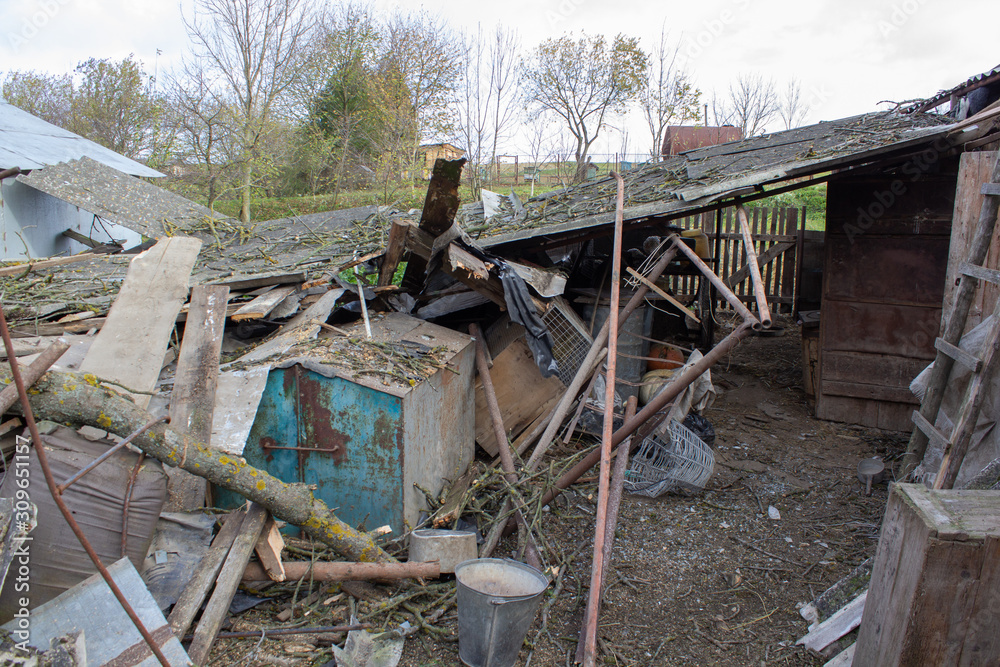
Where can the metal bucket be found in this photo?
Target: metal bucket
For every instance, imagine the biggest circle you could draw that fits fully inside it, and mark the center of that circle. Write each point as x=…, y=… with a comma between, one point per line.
x=497, y=601
x=447, y=547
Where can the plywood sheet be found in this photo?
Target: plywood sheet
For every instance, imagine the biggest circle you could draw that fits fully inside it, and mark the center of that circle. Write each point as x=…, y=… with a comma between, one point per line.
x=521, y=391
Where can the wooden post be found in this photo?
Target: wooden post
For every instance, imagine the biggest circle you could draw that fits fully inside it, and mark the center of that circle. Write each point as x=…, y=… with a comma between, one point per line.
x=934, y=595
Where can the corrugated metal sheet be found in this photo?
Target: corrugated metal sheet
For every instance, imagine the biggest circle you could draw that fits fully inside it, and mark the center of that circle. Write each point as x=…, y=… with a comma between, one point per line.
x=32, y=143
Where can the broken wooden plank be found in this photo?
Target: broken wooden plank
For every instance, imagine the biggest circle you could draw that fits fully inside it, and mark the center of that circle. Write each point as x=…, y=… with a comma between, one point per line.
x=341, y=571
x=449, y=511
x=245, y=282
x=204, y=576
x=838, y=625
x=548, y=284
x=468, y=269
x=131, y=344
x=263, y=304
x=51, y=329
x=522, y=393
x=302, y=327
x=192, y=402
x=226, y=584
x=394, y=249
x=437, y=215
x=48, y=263
x=268, y=550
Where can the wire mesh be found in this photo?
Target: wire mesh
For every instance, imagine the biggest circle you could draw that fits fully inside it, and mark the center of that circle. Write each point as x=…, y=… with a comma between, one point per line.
x=684, y=465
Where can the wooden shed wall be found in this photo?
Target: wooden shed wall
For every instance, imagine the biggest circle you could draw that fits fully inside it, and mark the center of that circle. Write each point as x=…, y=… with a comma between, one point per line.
x=976, y=169
x=882, y=289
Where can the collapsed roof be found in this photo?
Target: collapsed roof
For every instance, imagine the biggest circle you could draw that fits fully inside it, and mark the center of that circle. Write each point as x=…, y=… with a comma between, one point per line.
x=684, y=184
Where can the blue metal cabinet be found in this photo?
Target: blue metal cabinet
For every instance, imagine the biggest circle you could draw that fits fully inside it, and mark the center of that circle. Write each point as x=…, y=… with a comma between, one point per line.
x=362, y=443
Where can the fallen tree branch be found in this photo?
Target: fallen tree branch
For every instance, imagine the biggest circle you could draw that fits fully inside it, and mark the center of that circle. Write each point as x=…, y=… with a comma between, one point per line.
x=79, y=399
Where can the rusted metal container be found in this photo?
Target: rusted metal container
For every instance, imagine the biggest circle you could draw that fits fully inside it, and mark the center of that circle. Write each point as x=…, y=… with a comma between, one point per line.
x=680, y=138
x=363, y=439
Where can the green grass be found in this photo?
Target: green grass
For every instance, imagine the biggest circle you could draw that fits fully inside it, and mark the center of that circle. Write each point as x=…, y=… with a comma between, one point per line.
x=812, y=197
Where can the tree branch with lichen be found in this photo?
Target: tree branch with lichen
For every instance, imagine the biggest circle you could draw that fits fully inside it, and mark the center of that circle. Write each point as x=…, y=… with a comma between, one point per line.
x=78, y=398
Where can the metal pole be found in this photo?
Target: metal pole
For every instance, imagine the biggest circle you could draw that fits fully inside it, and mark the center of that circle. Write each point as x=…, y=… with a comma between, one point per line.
x=724, y=290
x=758, y=284
x=614, y=503
x=603, y=483
x=668, y=394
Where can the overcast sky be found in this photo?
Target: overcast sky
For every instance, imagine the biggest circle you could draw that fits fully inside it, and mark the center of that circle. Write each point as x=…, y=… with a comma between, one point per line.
x=847, y=54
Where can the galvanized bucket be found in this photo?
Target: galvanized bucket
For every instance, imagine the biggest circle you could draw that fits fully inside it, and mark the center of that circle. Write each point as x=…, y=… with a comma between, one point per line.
x=497, y=601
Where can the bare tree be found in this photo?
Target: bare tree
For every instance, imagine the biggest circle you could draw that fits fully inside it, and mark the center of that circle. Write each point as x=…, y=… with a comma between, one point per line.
x=669, y=97
x=203, y=123
x=750, y=104
x=486, y=103
x=583, y=81
x=539, y=136
x=791, y=107
x=255, y=48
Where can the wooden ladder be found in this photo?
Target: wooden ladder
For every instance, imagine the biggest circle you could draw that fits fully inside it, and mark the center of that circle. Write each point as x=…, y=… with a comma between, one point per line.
x=948, y=352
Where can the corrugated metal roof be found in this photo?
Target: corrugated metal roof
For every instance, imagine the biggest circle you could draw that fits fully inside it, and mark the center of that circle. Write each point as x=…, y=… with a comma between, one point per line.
x=971, y=83
x=29, y=142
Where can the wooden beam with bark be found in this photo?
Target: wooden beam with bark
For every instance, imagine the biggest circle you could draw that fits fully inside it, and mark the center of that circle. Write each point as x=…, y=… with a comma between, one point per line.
x=79, y=398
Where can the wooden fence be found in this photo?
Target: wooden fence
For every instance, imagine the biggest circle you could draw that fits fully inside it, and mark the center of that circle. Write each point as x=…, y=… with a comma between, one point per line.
x=774, y=231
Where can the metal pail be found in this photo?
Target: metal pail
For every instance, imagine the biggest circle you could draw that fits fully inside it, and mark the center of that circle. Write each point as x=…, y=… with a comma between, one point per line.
x=497, y=601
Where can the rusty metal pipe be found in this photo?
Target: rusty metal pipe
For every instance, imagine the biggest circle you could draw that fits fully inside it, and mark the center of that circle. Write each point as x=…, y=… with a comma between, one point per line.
x=614, y=504
x=723, y=288
x=43, y=461
x=106, y=455
x=506, y=458
x=35, y=370
x=604, y=476
x=669, y=393
x=758, y=283
x=559, y=412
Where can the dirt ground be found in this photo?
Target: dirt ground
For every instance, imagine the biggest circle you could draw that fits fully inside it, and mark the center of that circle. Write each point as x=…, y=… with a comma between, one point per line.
x=702, y=580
